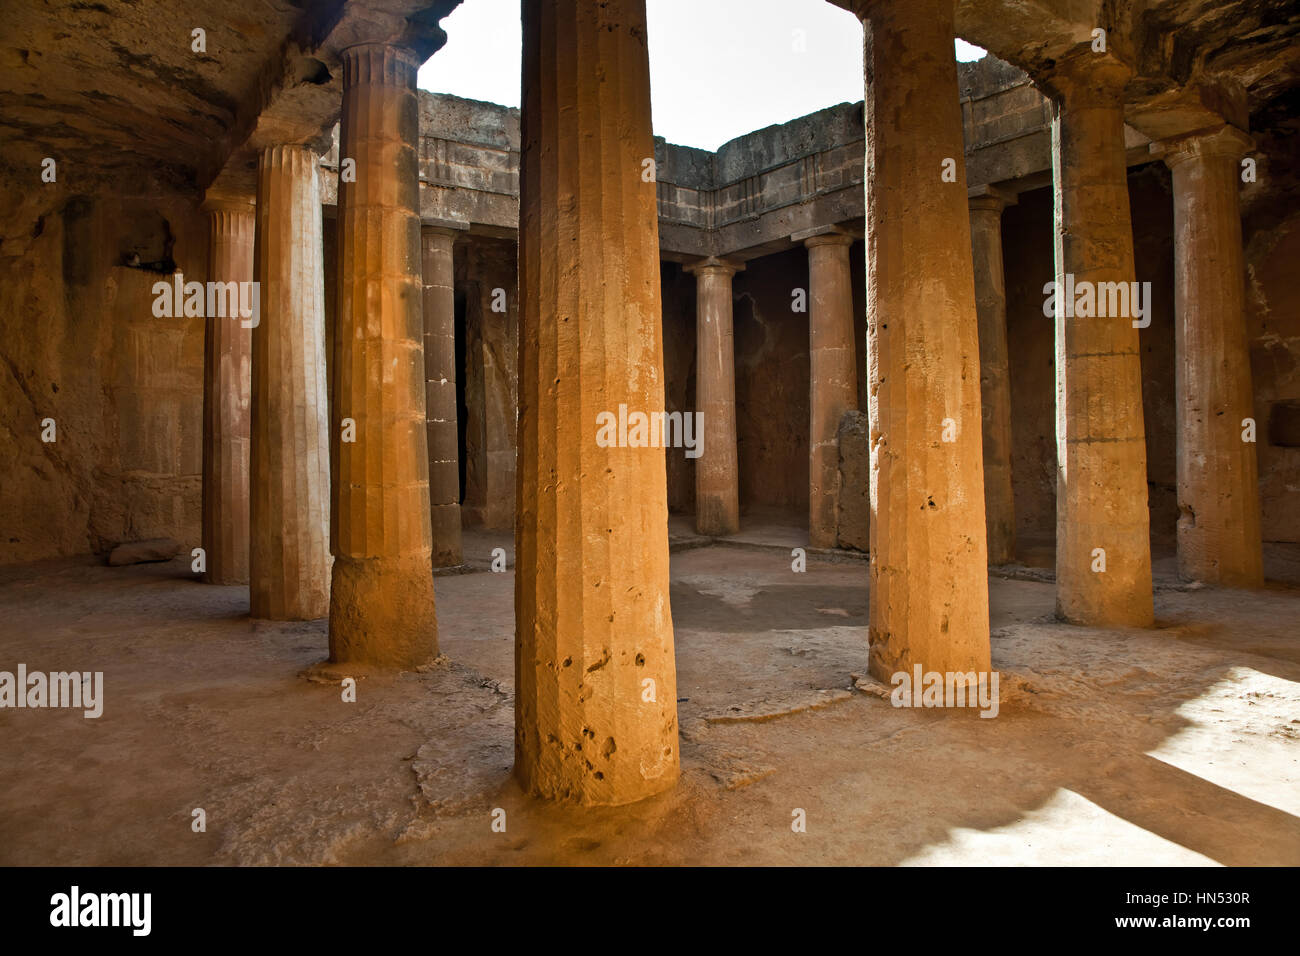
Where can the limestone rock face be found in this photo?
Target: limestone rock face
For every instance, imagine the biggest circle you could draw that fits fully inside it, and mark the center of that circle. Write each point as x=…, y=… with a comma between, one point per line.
x=143, y=552
x=854, y=515
x=123, y=386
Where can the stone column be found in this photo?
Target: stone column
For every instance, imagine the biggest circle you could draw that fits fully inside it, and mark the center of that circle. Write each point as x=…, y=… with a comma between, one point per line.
x=929, y=567
x=595, y=678
x=443, y=437
x=227, y=384
x=717, y=485
x=986, y=205
x=833, y=382
x=1219, y=540
x=381, y=601
x=290, y=562
x=1101, y=455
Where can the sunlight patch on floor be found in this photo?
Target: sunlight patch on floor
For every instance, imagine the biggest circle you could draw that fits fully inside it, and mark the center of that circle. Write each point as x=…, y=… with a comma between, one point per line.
x=1067, y=830
x=1244, y=736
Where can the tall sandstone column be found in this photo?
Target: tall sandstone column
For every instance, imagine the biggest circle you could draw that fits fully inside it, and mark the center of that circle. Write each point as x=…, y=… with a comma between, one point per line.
x=717, y=484
x=833, y=388
x=290, y=562
x=1219, y=540
x=227, y=386
x=1101, y=496
x=986, y=205
x=929, y=567
x=381, y=600
x=595, y=679
x=443, y=437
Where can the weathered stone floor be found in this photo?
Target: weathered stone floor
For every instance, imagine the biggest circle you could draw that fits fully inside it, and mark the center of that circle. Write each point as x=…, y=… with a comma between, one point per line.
x=1174, y=745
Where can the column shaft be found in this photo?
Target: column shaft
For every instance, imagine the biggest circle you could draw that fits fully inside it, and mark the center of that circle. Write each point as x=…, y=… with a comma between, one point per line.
x=290, y=561
x=1219, y=539
x=595, y=679
x=381, y=602
x=929, y=585
x=833, y=388
x=995, y=379
x=443, y=436
x=227, y=385
x=717, y=485
x=1101, y=497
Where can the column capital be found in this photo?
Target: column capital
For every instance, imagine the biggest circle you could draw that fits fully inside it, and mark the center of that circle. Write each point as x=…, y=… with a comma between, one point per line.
x=990, y=198
x=386, y=64
x=224, y=202
x=713, y=265
x=443, y=228
x=823, y=236
x=1086, y=76
x=297, y=153
x=828, y=239
x=1225, y=141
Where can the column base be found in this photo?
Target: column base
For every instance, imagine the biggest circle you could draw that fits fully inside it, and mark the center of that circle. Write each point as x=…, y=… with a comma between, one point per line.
x=224, y=578
x=382, y=612
x=884, y=660
x=715, y=519
x=307, y=603
x=1232, y=567
x=1127, y=604
x=825, y=540
x=1002, y=549
x=447, y=549
x=538, y=784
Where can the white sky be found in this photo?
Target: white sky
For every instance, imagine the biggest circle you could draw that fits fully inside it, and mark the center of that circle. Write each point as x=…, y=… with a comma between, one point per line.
x=718, y=68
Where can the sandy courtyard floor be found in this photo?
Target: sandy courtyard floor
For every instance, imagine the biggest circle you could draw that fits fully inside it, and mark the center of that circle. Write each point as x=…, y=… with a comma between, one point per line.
x=1176, y=745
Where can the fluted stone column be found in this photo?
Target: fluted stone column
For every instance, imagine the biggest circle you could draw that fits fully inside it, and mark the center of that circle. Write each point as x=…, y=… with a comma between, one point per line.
x=986, y=205
x=1219, y=540
x=290, y=562
x=929, y=585
x=595, y=679
x=443, y=438
x=1101, y=497
x=717, y=485
x=381, y=601
x=833, y=382
x=227, y=385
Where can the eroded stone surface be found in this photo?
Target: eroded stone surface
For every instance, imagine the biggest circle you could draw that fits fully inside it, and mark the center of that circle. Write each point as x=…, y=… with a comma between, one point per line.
x=832, y=377
x=1218, y=477
x=986, y=207
x=854, y=516
x=596, y=705
x=439, y=310
x=382, y=599
x=227, y=400
x=1101, y=502
x=922, y=355
x=289, y=560
x=717, y=482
